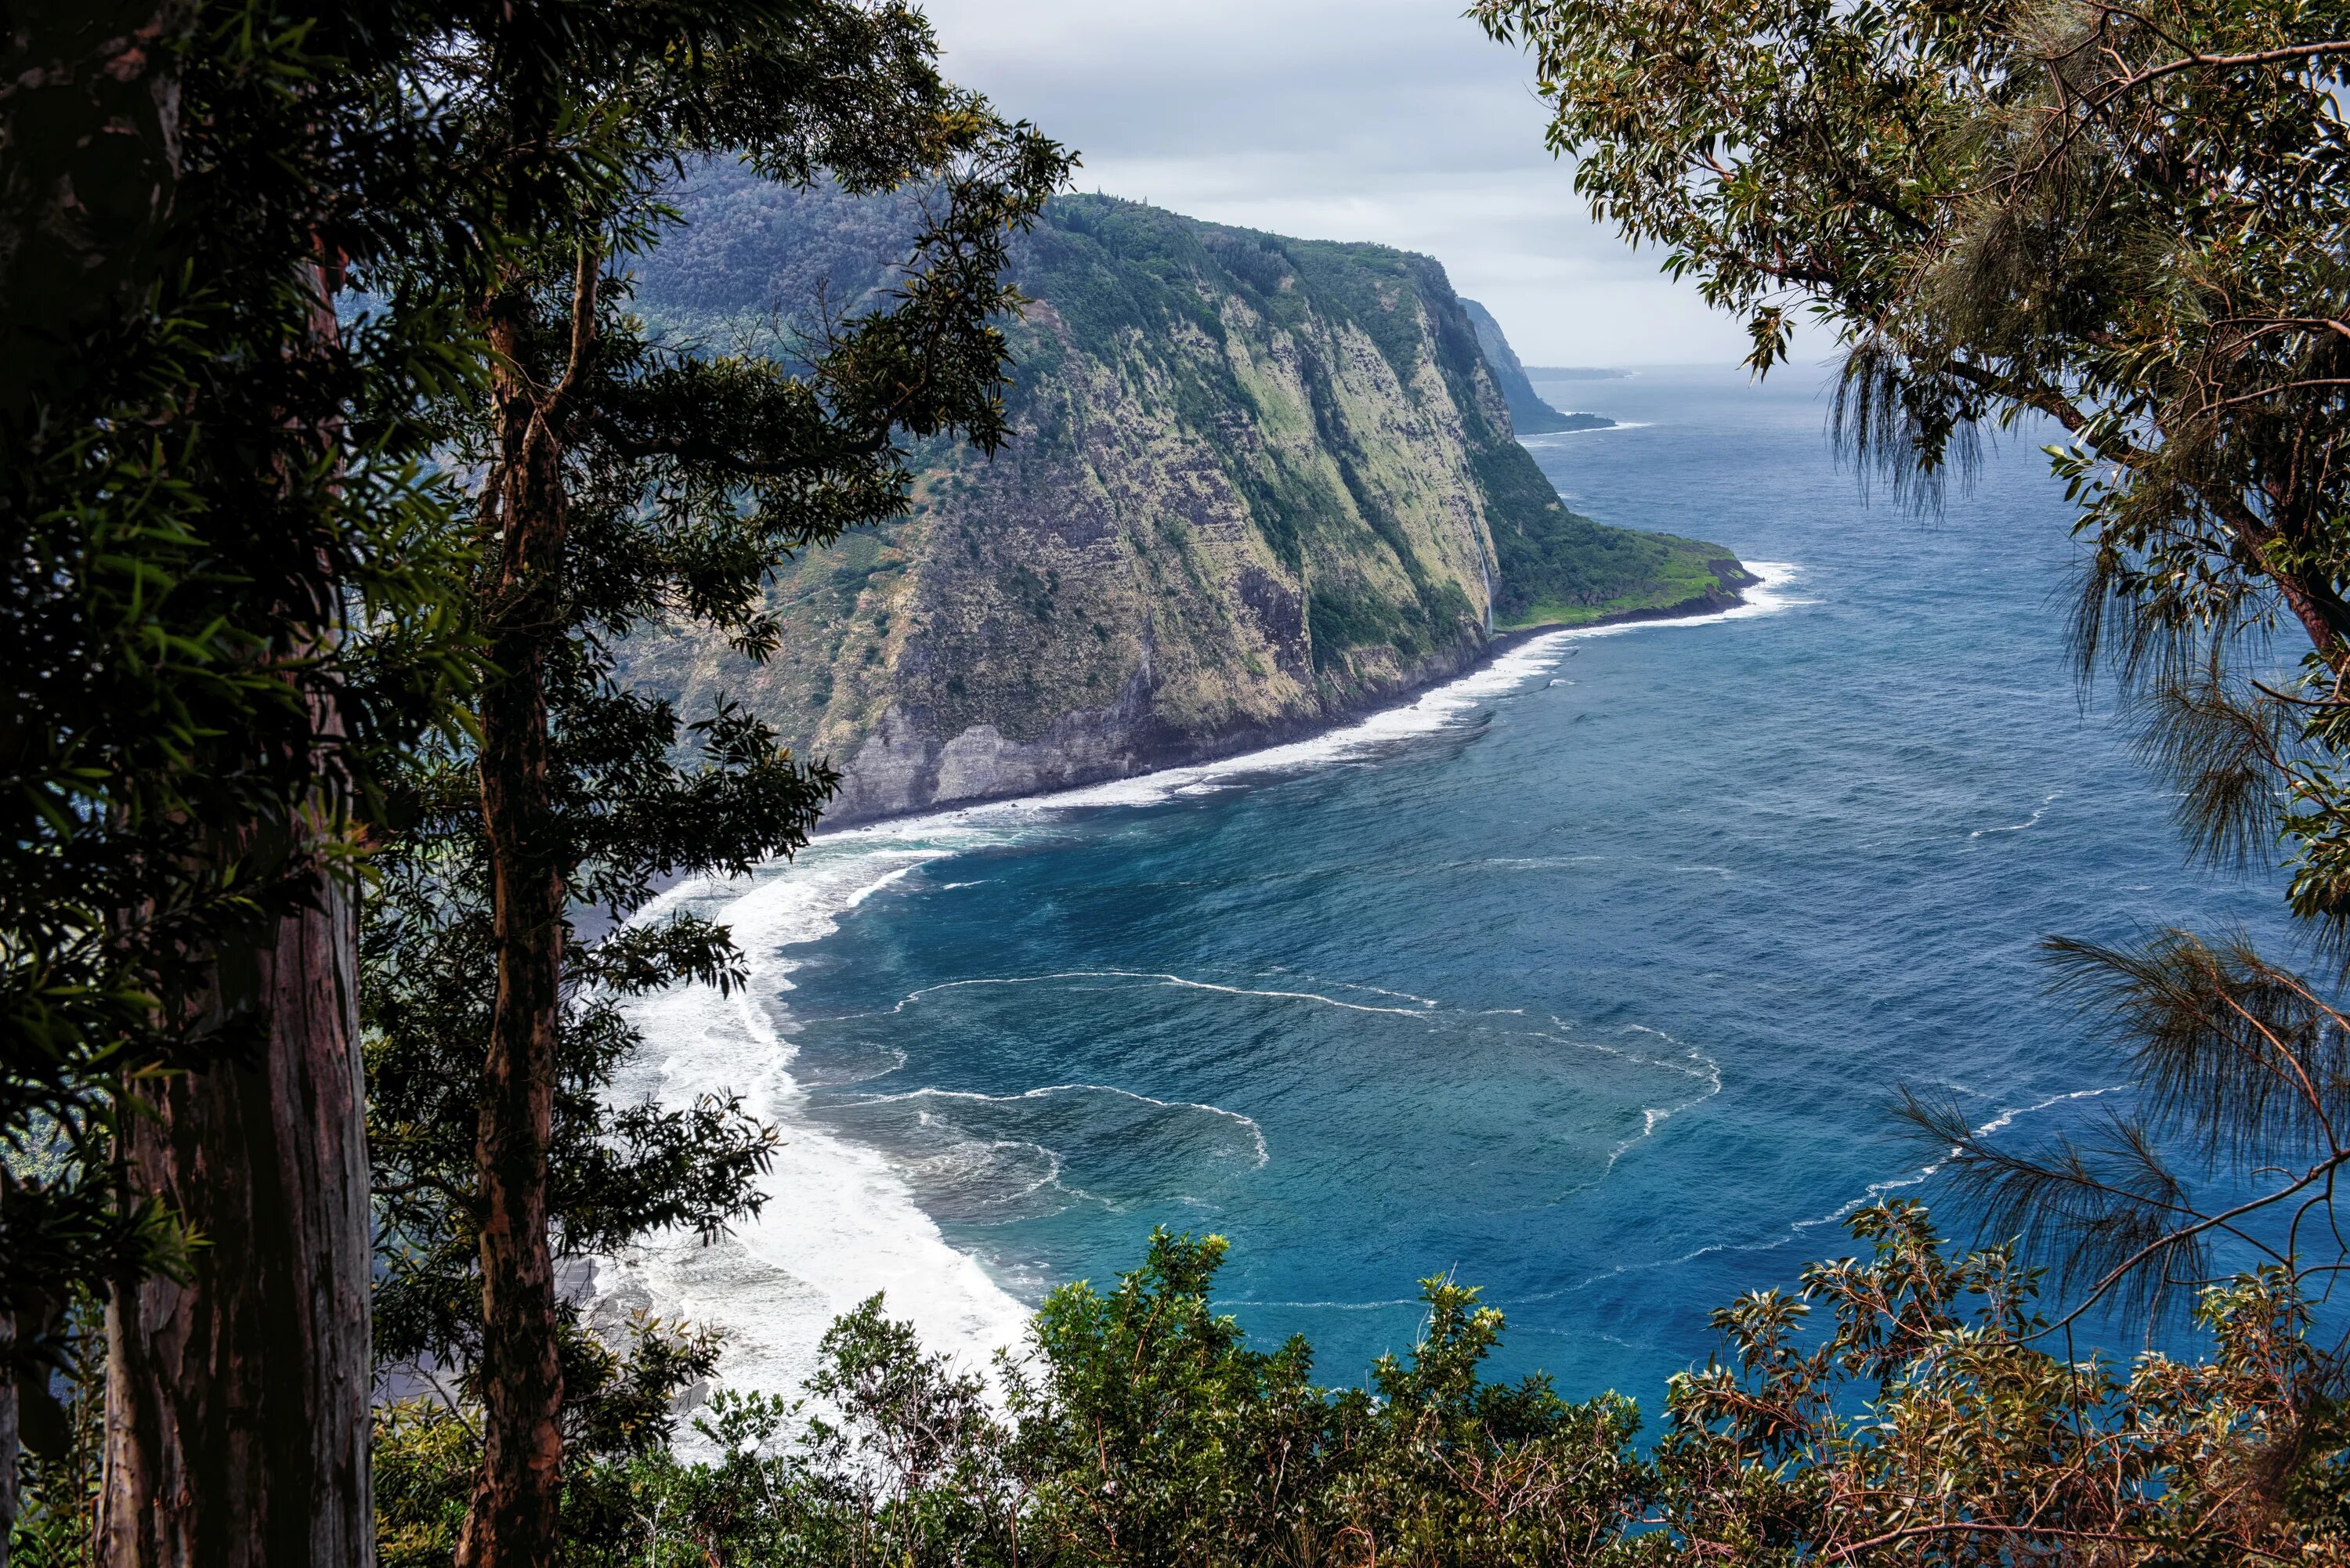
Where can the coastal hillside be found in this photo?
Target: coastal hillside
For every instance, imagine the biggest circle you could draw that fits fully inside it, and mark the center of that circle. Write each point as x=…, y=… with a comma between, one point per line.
x=1258, y=485
x=1529, y=414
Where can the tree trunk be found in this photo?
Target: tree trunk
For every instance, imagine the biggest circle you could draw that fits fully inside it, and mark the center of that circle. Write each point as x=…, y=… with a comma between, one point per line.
x=11, y=1444
x=89, y=112
x=236, y=1420
x=236, y=1401
x=514, y=1516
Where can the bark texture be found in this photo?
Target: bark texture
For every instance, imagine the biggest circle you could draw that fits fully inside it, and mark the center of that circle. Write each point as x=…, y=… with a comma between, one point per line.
x=236, y=1418
x=10, y=1443
x=514, y=1516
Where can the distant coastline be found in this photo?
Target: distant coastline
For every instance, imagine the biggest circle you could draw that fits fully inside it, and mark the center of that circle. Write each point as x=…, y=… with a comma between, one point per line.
x=1575, y=373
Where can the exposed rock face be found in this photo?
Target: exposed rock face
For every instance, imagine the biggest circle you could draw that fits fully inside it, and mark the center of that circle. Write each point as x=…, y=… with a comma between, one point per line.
x=1528, y=412
x=1259, y=484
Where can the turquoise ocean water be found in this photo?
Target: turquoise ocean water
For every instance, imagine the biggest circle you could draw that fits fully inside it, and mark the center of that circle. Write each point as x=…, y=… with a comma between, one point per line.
x=1588, y=981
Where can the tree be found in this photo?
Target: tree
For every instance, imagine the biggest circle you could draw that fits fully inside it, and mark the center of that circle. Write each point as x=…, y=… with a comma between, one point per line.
x=1927, y=1419
x=2230, y=1158
x=205, y=479
x=1148, y=1431
x=1140, y=1428
x=623, y=482
x=2125, y=220
x=1977, y=1443
x=2127, y=223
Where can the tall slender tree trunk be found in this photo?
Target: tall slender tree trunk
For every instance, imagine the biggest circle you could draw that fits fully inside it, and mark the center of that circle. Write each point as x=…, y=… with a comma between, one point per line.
x=237, y=1422
x=236, y=1408
x=11, y=1440
x=514, y=1520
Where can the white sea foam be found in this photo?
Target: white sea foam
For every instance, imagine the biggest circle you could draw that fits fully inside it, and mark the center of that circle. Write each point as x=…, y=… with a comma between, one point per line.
x=1383, y=990
x=1326, y=1306
x=841, y=1222
x=1438, y=709
x=1248, y=1124
x=1544, y=438
x=1997, y=1123
x=2031, y=822
x=1176, y=981
x=2000, y=1123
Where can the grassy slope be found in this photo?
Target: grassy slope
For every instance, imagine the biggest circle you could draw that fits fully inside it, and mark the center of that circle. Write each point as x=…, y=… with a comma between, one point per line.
x=1561, y=568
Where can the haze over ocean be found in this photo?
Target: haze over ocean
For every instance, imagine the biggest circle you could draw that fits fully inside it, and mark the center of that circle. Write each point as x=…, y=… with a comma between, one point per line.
x=1590, y=981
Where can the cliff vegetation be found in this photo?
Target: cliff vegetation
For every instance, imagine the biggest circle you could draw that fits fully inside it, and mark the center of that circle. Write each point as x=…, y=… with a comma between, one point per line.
x=1257, y=484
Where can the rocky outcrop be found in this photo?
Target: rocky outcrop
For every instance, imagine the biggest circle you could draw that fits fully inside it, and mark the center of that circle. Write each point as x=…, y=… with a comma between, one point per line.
x=1258, y=485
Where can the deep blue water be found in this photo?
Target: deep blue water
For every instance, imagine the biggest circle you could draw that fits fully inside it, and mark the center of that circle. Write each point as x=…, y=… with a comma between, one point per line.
x=1595, y=996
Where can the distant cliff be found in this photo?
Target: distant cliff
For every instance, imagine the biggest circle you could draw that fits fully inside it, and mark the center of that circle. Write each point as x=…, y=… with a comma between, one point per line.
x=1529, y=415
x=1259, y=484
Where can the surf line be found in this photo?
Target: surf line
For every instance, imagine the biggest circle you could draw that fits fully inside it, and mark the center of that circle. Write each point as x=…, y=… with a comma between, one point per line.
x=942, y=833
x=854, y=1224
x=2029, y=823
x=1263, y=1154
x=1796, y=1227
x=1170, y=979
x=1519, y=660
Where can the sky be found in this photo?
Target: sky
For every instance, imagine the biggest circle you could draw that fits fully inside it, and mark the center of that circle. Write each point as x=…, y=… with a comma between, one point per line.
x=1393, y=120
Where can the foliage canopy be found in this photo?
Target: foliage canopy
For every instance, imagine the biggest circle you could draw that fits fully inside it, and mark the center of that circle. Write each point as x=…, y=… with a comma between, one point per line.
x=1927, y=1423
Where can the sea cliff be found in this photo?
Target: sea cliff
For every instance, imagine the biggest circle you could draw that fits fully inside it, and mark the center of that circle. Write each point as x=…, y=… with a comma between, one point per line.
x=1529, y=415
x=1258, y=485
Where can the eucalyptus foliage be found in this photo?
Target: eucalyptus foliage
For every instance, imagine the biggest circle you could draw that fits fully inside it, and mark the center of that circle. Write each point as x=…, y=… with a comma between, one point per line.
x=2124, y=224
x=208, y=487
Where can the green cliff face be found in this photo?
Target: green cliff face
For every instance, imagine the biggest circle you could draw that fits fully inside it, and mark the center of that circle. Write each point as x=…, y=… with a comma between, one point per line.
x=1259, y=484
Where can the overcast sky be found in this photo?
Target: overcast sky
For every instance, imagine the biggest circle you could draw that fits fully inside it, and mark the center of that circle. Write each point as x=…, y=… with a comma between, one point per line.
x=1394, y=120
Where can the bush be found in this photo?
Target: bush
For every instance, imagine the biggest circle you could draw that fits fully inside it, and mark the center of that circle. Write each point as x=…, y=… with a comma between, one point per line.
x=1931, y=1421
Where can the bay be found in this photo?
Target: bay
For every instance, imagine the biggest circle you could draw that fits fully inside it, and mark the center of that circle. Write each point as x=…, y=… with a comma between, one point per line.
x=1589, y=981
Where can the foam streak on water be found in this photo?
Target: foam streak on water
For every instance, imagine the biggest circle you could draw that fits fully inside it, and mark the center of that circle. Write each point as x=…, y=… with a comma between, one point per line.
x=839, y=1224
x=842, y=1220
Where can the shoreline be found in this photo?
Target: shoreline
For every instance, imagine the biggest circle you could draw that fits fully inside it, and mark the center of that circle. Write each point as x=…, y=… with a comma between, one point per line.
x=853, y=1223
x=1697, y=607
x=1238, y=744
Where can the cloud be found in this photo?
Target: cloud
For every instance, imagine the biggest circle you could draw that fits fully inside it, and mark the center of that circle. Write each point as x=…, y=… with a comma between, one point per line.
x=1394, y=120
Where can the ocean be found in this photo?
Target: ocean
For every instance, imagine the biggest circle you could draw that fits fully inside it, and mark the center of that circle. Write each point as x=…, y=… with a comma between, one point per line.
x=1589, y=979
